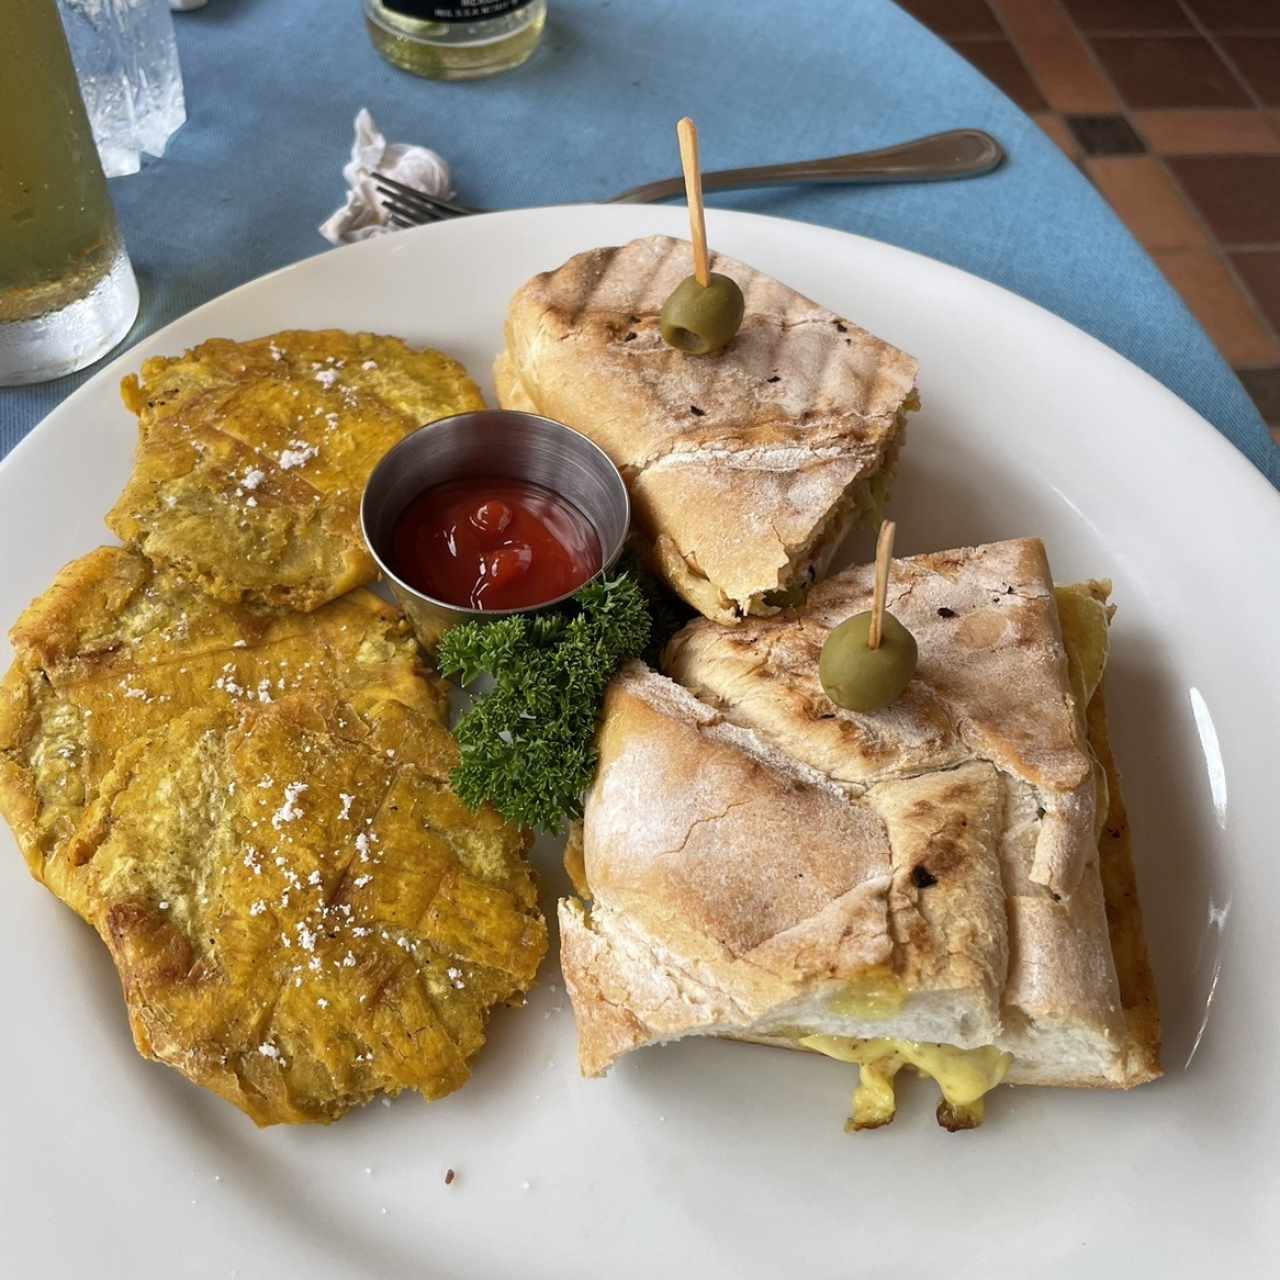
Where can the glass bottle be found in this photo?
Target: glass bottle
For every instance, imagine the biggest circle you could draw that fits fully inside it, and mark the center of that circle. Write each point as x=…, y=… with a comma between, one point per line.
x=67, y=291
x=455, y=39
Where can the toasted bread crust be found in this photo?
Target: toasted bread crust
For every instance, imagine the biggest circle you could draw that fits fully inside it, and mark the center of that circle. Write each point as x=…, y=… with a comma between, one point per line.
x=1138, y=995
x=729, y=881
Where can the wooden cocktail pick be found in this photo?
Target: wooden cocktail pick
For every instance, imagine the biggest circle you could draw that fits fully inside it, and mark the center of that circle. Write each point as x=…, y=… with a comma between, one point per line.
x=884, y=554
x=705, y=309
x=687, y=133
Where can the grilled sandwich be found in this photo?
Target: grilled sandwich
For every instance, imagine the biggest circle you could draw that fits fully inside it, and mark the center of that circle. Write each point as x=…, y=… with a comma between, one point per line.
x=746, y=468
x=944, y=884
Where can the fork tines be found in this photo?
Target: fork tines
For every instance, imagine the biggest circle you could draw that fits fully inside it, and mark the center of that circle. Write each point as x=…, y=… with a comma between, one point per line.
x=409, y=207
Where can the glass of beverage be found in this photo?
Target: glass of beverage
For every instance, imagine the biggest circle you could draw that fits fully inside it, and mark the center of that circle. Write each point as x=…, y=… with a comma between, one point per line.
x=126, y=59
x=67, y=291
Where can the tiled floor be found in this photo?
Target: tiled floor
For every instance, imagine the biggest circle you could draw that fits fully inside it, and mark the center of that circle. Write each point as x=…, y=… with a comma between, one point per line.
x=1172, y=108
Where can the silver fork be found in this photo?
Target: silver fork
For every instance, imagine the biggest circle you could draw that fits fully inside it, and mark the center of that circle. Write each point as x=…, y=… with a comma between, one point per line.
x=958, y=153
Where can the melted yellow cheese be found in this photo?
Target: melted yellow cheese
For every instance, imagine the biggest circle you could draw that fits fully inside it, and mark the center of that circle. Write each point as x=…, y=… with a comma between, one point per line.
x=874, y=994
x=965, y=1076
x=1084, y=617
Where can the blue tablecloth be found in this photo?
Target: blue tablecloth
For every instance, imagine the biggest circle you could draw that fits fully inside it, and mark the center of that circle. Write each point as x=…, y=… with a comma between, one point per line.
x=272, y=86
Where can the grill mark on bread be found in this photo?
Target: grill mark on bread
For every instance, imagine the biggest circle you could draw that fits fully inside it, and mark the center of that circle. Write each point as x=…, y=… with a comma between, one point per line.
x=828, y=377
x=887, y=387
x=946, y=844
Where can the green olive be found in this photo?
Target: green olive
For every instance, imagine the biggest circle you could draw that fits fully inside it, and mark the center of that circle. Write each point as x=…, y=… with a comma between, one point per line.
x=862, y=679
x=702, y=319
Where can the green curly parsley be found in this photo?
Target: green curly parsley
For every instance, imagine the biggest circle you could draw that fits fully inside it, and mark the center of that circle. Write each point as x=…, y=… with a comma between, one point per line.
x=528, y=746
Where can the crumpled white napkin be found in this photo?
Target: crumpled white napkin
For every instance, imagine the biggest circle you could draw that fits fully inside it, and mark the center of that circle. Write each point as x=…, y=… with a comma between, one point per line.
x=362, y=215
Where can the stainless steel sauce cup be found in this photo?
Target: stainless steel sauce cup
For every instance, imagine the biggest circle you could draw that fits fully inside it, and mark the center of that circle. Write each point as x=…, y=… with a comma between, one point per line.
x=492, y=442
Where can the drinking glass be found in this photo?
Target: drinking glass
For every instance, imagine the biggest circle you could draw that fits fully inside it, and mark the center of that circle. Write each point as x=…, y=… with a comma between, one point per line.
x=67, y=290
x=126, y=59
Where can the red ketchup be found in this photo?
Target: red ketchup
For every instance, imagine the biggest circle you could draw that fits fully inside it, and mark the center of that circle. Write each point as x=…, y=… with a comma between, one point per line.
x=494, y=543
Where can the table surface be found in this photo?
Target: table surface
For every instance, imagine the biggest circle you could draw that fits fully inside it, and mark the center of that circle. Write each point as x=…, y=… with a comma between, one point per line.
x=272, y=90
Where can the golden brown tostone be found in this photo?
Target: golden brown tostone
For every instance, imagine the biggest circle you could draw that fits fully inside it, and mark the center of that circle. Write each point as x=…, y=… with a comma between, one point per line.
x=252, y=808
x=252, y=457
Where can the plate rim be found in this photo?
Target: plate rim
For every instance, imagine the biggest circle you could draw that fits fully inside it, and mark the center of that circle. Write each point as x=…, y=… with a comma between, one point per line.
x=1247, y=472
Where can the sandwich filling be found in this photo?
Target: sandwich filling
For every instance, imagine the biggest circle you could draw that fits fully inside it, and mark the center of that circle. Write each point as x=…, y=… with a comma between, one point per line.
x=965, y=1076
x=801, y=564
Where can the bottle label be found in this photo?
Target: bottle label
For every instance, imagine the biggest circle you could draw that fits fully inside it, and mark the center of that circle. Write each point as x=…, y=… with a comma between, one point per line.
x=457, y=11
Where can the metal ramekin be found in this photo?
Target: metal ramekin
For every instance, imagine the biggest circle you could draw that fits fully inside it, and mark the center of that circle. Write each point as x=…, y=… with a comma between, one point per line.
x=492, y=442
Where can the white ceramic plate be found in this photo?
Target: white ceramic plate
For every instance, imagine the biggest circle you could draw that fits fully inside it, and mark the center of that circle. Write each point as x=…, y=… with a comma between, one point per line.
x=704, y=1158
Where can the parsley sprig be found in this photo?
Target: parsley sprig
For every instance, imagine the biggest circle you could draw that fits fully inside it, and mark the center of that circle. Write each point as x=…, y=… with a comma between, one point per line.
x=528, y=746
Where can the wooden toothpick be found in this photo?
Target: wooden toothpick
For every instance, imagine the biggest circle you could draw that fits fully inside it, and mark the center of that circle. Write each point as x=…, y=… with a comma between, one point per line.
x=687, y=133
x=884, y=552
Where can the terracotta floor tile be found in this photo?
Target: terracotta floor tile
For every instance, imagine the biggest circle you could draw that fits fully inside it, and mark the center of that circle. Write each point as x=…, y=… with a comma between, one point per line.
x=954, y=19
x=1260, y=270
x=1057, y=55
x=1146, y=200
x=1264, y=386
x=1056, y=127
x=1208, y=131
x=1106, y=135
x=1128, y=15
x=1169, y=71
x=998, y=60
x=1239, y=196
x=1228, y=316
x=1257, y=58
x=1237, y=15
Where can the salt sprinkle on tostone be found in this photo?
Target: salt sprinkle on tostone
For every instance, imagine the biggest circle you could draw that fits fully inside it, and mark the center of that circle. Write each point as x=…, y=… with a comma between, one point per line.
x=299, y=455
x=289, y=811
